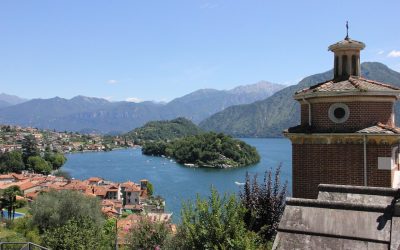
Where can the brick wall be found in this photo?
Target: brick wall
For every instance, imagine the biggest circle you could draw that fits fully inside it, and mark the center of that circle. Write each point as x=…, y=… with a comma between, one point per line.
x=341, y=164
x=362, y=115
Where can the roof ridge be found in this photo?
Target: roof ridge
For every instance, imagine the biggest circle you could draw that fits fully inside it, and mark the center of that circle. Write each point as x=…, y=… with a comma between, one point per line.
x=391, y=128
x=379, y=83
x=354, y=82
x=313, y=86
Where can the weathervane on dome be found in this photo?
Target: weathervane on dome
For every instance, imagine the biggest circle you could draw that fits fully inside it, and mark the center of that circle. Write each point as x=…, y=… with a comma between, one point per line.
x=347, y=31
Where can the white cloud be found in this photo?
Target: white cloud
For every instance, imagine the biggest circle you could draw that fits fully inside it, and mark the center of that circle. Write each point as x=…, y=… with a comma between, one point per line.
x=380, y=52
x=112, y=81
x=133, y=99
x=108, y=98
x=394, y=53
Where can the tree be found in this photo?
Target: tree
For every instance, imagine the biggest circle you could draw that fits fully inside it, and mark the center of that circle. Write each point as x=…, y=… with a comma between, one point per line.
x=55, y=159
x=62, y=173
x=39, y=165
x=9, y=200
x=150, y=188
x=55, y=208
x=147, y=234
x=265, y=204
x=11, y=162
x=77, y=233
x=214, y=224
x=29, y=147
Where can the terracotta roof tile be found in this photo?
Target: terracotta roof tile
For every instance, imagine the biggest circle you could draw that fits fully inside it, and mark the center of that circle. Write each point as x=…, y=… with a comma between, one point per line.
x=380, y=128
x=353, y=83
x=6, y=176
x=95, y=179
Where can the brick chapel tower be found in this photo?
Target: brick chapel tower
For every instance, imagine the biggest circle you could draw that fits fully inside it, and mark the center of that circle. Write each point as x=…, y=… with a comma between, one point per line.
x=347, y=134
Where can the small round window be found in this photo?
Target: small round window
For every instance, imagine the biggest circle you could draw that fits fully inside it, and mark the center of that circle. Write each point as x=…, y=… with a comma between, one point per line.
x=339, y=112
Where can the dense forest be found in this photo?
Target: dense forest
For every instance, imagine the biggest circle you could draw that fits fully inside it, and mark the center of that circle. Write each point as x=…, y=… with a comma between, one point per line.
x=205, y=150
x=163, y=130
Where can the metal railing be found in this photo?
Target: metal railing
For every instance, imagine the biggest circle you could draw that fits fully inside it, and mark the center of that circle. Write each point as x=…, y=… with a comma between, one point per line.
x=21, y=246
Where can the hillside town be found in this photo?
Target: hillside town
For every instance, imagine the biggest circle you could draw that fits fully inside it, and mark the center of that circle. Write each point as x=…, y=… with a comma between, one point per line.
x=128, y=201
x=11, y=138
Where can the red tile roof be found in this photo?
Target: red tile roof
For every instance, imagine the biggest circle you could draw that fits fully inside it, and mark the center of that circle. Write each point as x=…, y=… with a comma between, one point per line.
x=6, y=176
x=380, y=128
x=130, y=186
x=95, y=179
x=352, y=84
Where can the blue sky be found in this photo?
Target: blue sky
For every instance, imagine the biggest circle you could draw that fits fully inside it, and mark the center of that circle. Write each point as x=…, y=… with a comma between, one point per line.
x=159, y=50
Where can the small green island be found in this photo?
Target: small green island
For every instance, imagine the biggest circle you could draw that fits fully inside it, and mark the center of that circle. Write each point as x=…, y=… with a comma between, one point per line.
x=205, y=150
x=183, y=141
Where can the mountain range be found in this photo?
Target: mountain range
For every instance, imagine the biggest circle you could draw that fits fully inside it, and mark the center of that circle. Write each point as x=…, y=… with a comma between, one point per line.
x=269, y=117
x=89, y=114
x=9, y=100
x=258, y=110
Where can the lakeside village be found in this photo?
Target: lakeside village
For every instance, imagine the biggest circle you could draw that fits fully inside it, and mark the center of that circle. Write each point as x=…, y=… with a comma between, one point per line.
x=129, y=202
x=11, y=138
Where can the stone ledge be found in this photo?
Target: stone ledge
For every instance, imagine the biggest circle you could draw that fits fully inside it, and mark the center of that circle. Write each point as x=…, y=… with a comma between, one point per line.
x=382, y=191
x=337, y=205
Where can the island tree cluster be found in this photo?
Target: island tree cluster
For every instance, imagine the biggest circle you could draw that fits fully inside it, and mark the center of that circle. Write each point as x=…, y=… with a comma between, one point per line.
x=205, y=150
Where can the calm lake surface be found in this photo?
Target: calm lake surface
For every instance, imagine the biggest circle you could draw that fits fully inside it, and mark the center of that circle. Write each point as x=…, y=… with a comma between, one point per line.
x=175, y=182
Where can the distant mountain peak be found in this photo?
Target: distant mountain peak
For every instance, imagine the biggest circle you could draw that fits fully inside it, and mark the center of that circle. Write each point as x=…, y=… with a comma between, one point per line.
x=258, y=86
x=11, y=99
x=269, y=117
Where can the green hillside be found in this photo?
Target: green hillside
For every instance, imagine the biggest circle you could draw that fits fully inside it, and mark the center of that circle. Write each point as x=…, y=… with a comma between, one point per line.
x=164, y=130
x=269, y=117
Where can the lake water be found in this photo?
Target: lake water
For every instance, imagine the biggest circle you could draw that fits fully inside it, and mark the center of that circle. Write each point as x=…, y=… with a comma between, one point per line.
x=175, y=182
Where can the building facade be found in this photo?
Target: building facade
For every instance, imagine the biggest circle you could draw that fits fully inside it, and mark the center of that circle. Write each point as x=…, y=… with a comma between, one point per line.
x=347, y=134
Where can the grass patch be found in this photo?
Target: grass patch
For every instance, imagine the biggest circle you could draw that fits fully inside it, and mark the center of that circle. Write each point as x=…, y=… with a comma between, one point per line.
x=23, y=210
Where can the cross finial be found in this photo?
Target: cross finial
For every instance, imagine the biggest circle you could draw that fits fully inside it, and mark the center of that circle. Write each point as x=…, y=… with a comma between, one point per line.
x=347, y=30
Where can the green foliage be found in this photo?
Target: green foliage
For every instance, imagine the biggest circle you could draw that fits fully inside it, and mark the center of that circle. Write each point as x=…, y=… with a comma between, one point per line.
x=164, y=130
x=109, y=233
x=14, y=161
x=55, y=159
x=150, y=188
x=55, y=208
x=7, y=235
x=147, y=235
x=265, y=204
x=207, y=149
x=29, y=147
x=39, y=165
x=216, y=223
x=9, y=200
x=11, y=162
x=78, y=233
x=63, y=173
x=25, y=227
